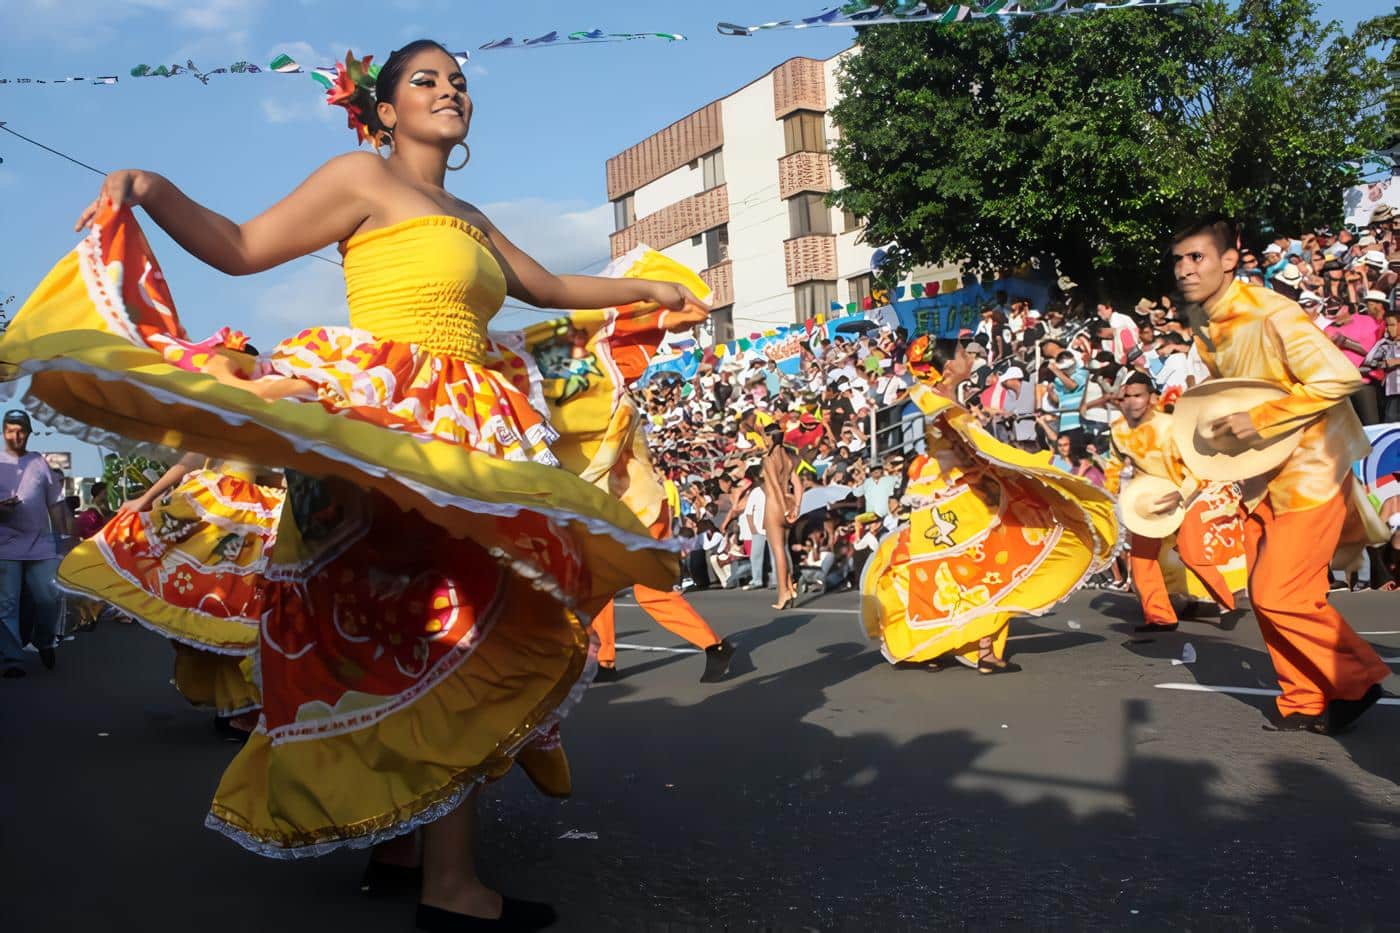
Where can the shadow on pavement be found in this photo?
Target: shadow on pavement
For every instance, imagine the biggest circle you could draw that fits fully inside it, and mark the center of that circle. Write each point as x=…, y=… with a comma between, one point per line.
x=737, y=811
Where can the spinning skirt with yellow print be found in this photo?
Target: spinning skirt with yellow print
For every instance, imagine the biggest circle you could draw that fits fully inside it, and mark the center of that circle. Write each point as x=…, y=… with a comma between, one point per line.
x=191, y=569
x=436, y=559
x=993, y=533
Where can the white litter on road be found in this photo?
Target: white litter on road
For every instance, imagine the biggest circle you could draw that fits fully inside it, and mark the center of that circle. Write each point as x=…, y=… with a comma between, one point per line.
x=1250, y=691
x=1188, y=655
x=1074, y=624
x=578, y=834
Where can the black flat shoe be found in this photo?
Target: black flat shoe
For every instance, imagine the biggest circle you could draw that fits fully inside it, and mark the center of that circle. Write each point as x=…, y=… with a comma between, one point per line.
x=1154, y=627
x=928, y=667
x=717, y=660
x=1231, y=617
x=384, y=880
x=607, y=674
x=48, y=657
x=515, y=915
x=1341, y=714
x=1297, y=722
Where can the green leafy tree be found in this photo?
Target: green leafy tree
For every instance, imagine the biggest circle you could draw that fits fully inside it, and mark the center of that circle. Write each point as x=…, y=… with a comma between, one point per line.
x=1081, y=141
x=1383, y=32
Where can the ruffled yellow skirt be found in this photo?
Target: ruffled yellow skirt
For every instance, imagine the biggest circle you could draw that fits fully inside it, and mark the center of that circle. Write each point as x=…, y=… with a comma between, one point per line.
x=424, y=606
x=994, y=534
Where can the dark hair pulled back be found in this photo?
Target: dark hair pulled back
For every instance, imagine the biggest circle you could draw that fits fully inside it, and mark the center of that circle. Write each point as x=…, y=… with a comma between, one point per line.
x=386, y=83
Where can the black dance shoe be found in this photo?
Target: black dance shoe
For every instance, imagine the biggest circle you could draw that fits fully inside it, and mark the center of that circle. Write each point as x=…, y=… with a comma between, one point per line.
x=1155, y=627
x=1342, y=714
x=515, y=916
x=717, y=660
x=1295, y=722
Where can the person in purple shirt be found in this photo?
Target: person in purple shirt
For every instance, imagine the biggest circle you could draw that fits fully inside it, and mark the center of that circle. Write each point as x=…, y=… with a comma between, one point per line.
x=34, y=520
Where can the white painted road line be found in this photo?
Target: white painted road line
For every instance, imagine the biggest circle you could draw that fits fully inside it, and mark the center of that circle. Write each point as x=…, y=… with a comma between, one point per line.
x=1250, y=691
x=629, y=647
x=1396, y=632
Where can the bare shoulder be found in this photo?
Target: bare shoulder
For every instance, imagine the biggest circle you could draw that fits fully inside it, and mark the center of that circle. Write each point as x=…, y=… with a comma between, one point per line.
x=475, y=216
x=354, y=166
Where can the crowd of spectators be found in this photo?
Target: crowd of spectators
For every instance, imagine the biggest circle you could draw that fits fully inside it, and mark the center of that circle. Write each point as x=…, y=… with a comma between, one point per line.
x=1044, y=380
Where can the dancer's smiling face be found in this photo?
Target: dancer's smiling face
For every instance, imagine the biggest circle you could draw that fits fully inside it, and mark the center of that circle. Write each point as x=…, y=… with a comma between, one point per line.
x=429, y=102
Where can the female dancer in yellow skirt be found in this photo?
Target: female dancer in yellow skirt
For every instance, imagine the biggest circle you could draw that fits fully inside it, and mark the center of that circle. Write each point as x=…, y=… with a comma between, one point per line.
x=186, y=559
x=992, y=534
x=433, y=565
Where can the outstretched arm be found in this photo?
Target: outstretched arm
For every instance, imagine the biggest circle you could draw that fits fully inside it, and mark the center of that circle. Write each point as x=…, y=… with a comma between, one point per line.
x=168, y=480
x=326, y=208
x=531, y=282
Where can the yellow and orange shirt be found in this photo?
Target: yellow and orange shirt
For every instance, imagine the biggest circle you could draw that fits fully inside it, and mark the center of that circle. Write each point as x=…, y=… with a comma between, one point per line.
x=1259, y=334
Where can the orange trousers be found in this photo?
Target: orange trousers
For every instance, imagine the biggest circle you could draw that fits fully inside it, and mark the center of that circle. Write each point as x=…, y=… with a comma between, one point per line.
x=1316, y=655
x=1147, y=573
x=671, y=611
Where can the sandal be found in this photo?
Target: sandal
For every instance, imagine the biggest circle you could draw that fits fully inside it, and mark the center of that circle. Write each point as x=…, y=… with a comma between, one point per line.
x=1005, y=667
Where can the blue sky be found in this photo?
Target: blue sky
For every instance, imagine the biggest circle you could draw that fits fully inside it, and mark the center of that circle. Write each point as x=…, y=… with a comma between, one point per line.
x=545, y=121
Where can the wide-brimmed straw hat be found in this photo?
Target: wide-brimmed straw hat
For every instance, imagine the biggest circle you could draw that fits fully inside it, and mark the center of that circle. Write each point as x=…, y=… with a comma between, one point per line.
x=1225, y=459
x=1138, y=503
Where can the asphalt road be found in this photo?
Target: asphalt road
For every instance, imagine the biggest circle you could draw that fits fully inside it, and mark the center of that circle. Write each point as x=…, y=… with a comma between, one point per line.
x=816, y=789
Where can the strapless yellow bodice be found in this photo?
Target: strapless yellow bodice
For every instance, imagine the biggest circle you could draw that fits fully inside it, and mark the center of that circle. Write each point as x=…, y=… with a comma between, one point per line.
x=430, y=281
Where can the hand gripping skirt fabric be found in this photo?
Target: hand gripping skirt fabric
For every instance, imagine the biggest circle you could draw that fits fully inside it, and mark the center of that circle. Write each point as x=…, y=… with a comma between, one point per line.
x=993, y=534
x=426, y=599
x=191, y=569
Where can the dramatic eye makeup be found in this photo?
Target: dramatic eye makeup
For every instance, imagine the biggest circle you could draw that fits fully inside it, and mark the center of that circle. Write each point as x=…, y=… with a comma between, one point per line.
x=427, y=77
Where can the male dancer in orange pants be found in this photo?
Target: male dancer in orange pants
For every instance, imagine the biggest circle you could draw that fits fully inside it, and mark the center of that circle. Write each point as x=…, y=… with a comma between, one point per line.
x=673, y=612
x=1206, y=540
x=1328, y=675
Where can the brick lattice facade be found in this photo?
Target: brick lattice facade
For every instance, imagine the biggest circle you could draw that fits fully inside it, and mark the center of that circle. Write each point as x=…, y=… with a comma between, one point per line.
x=720, y=278
x=804, y=171
x=678, y=144
x=680, y=221
x=810, y=258
x=798, y=84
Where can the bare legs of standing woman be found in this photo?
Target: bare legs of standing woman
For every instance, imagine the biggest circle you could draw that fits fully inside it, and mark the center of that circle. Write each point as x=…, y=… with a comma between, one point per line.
x=776, y=528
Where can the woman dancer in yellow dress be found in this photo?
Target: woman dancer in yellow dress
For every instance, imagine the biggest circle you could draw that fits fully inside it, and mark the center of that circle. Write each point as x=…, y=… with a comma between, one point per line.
x=993, y=533
x=432, y=564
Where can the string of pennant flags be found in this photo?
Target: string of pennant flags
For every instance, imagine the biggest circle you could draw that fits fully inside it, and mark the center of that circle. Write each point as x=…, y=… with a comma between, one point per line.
x=907, y=12
x=325, y=74
x=855, y=14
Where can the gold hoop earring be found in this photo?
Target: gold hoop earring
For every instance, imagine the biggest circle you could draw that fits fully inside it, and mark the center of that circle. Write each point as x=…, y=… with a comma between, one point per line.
x=465, y=159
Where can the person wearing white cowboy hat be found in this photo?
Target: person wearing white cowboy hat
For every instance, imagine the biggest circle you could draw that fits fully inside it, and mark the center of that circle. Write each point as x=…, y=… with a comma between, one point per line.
x=1275, y=414
x=1164, y=497
x=1288, y=281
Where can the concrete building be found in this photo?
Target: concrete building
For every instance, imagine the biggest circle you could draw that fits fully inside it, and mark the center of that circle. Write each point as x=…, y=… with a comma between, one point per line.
x=736, y=190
